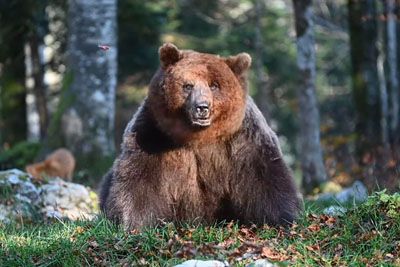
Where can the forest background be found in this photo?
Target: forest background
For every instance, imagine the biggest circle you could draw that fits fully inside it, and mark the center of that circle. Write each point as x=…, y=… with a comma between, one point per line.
x=324, y=74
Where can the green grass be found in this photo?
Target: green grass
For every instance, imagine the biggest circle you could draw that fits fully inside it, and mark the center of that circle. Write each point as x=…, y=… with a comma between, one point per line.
x=367, y=235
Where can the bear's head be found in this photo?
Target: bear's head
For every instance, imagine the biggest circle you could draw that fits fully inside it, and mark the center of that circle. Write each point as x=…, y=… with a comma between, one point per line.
x=197, y=97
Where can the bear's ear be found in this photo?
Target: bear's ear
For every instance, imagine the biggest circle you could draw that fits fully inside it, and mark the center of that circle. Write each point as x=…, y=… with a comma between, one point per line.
x=239, y=63
x=169, y=54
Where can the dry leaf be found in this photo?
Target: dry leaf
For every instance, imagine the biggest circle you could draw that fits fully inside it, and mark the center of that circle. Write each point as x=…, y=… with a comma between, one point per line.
x=313, y=248
x=271, y=254
x=314, y=227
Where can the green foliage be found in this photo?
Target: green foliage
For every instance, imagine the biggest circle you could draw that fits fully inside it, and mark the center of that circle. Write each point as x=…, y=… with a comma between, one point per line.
x=366, y=235
x=12, y=111
x=19, y=155
x=91, y=168
x=6, y=193
x=389, y=204
x=139, y=28
x=19, y=20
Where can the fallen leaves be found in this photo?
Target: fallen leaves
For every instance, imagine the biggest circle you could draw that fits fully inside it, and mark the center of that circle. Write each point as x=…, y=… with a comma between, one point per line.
x=314, y=227
x=321, y=221
x=313, y=248
x=272, y=254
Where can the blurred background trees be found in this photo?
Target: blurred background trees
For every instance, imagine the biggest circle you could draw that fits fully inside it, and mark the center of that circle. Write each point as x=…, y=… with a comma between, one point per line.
x=87, y=122
x=312, y=164
x=55, y=82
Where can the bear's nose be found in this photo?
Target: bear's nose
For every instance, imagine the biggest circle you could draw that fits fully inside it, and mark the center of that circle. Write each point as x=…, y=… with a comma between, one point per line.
x=202, y=110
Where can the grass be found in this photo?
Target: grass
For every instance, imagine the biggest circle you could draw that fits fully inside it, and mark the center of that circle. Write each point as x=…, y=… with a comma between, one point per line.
x=368, y=235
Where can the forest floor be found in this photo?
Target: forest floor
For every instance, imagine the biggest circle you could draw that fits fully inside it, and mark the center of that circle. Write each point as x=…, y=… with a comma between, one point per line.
x=367, y=235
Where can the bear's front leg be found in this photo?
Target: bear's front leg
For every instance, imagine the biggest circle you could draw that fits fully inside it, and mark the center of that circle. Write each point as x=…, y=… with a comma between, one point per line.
x=273, y=198
x=263, y=189
x=137, y=190
x=141, y=204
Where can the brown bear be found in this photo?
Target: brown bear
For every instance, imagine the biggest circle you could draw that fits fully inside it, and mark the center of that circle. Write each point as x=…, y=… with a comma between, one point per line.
x=198, y=148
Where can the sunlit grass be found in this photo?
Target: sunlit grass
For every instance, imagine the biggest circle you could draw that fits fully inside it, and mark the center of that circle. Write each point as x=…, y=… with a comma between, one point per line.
x=367, y=234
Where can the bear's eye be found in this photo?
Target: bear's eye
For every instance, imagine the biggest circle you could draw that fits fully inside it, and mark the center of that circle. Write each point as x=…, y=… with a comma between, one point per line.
x=214, y=86
x=187, y=87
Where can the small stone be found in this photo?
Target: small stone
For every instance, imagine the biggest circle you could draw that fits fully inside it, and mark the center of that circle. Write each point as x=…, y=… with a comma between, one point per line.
x=53, y=214
x=13, y=179
x=261, y=263
x=335, y=211
x=357, y=192
x=201, y=263
x=247, y=255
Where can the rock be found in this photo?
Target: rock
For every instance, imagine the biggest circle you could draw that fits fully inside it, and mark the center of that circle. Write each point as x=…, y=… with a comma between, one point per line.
x=357, y=192
x=261, y=263
x=23, y=200
x=67, y=199
x=19, y=198
x=335, y=211
x=53, y=214
x=201, y=263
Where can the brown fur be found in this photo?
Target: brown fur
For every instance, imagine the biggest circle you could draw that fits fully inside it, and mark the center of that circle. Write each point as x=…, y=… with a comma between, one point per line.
x=60, y=163
x=168, y=169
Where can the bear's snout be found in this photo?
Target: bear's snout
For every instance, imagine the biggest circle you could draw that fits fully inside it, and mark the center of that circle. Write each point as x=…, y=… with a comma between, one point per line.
x=199, y=106
x=200, y=114
x=202, y=110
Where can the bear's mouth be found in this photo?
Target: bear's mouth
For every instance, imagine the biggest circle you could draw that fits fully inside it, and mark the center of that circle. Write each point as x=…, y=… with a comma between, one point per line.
x=198, y=119
x=201, y=122
x=199, y=114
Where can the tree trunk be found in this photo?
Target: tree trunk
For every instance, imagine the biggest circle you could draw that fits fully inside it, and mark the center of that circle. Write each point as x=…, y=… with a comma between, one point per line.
x=88, y=123
x=364, y=54
x=12, y=73
x=262, y=98
x=393, y=69
x=39, y=88
x=396, y=139
x=383, y=96
x=311, y=153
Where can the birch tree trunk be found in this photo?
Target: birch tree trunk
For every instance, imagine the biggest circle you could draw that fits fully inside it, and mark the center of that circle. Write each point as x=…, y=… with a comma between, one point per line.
x=393, y=69
x=88, y=124
x=311, y=153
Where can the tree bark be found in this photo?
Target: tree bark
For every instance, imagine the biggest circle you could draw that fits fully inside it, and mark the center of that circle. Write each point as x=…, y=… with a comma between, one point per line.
x=391, y=27
x=311, y=153
x=383, y=97
x=364, y=55
x=39, y=88
x=88, y=124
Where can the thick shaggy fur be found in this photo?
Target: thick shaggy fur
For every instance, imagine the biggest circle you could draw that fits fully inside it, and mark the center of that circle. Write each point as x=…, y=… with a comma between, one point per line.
x=169, y=170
